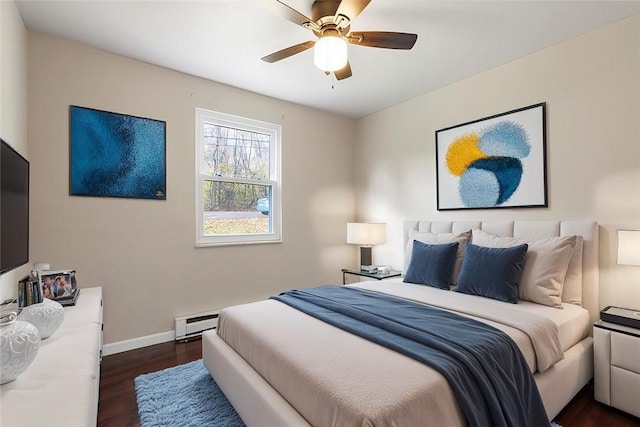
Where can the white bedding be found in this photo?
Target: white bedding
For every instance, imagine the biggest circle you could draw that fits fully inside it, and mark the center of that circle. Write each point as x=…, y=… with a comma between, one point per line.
x=336, y=378
x=572, y=320
x=332, y=377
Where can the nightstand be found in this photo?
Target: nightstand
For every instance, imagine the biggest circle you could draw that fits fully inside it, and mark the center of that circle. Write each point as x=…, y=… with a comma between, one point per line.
x=377, y=276
x=616, y=360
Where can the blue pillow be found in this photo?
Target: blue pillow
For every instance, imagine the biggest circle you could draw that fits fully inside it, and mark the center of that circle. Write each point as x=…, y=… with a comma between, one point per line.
x=431, y=264
x=492, y=272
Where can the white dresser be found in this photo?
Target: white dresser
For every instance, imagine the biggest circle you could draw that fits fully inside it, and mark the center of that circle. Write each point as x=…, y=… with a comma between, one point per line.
x=617, y=366
x=60, y=387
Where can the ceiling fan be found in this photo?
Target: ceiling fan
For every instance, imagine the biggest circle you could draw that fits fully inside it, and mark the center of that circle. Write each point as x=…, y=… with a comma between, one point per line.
x=331, y=22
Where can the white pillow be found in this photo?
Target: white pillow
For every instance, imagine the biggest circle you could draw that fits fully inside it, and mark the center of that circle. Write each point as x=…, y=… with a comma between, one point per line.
x=545, y=265
x=572, y=289
x=436, y=239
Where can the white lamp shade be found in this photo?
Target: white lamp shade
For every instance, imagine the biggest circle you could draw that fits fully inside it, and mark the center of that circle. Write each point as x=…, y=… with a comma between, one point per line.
x=330, y=53
x=629, y=247
x=366, y=233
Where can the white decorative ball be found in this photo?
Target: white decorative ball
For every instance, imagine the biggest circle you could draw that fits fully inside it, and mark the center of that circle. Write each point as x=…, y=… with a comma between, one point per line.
x=47, y=316
x=19, y=344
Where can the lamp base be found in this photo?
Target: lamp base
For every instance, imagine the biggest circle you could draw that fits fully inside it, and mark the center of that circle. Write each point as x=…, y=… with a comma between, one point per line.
x=365, y=258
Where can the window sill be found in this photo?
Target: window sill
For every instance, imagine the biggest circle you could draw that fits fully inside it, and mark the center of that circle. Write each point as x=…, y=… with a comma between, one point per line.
x=244, y=243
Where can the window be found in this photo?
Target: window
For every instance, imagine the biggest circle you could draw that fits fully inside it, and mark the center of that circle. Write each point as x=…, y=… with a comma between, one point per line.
x=237, y=180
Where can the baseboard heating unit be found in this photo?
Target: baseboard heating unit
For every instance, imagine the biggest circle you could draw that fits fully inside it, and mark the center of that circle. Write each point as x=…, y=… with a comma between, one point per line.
x=195, y=324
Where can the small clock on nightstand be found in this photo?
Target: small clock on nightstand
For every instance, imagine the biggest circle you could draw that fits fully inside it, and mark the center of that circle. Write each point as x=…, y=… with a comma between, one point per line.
x=621, y=316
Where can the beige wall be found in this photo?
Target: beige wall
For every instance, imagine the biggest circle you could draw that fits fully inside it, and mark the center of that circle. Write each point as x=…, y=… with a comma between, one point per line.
x=13, y=105
x=142, y=251
x=591, y=85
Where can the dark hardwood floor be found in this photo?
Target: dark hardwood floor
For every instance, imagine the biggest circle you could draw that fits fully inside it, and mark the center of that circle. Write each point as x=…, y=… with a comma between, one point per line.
x=117, y=406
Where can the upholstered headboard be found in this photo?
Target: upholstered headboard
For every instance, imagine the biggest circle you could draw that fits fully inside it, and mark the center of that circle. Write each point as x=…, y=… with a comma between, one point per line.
x=535, y=229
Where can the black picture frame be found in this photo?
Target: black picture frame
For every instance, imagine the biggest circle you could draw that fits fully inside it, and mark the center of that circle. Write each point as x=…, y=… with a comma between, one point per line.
x=495, y=162
x=116, y=155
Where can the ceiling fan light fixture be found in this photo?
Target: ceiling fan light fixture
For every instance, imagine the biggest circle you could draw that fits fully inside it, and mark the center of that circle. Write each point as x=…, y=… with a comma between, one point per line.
x=330, y=53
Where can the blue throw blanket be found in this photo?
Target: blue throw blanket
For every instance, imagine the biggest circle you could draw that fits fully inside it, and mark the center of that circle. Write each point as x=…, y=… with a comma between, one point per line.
x=484, y=367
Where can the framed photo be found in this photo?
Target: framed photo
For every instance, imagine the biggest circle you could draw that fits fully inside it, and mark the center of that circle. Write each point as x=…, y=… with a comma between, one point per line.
x=494, y=162
x=58, y=285
x=116, y=155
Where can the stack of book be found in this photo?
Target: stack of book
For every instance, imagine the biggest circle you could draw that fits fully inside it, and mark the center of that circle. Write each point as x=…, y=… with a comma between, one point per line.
x=29, y=292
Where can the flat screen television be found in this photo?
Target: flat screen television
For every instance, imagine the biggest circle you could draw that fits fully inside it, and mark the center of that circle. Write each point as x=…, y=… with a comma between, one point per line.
x=14, y=208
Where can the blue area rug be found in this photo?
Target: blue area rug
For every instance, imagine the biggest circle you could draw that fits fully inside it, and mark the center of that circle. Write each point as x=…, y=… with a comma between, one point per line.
x=183, y=396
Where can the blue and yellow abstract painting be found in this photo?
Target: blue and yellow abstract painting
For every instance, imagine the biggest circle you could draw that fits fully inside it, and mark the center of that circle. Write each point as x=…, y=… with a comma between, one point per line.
x=116, y=155
x=493, y=162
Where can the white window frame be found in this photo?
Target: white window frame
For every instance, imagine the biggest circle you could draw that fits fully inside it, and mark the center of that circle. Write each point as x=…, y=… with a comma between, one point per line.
x=275, y=215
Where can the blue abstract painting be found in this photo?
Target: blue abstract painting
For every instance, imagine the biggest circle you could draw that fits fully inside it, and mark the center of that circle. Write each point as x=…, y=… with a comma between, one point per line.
x=495, y=162
x=116, y=155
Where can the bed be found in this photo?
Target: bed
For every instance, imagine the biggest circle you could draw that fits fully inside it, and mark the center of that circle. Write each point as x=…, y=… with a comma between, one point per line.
x=281, y=367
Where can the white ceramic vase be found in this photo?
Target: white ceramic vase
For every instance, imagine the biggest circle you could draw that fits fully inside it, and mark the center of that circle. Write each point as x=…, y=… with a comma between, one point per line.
x=47, y=316
x=19, y=344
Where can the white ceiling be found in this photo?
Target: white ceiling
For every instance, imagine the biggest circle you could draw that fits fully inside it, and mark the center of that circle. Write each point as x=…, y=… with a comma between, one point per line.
x=223, y=40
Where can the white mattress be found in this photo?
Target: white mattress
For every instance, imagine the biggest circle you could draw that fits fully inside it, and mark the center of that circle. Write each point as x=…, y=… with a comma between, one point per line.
x=572, y=320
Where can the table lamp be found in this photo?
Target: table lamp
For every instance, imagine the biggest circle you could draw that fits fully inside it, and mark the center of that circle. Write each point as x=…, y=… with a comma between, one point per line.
x=366, y=235
x=629, y=247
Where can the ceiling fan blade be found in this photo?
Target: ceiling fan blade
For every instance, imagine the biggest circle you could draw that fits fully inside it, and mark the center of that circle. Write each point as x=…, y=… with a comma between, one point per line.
x=288, y=13
x=384, y=39
x=287, y=52
x=344, y=72
x=351, y=8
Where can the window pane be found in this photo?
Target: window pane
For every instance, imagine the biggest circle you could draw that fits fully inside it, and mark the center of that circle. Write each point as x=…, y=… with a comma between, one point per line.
x=232, y=208
x=235, y=153
x=238, y=180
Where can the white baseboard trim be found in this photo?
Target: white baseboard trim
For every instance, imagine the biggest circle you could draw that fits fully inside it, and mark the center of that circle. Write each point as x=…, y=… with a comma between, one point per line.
x=134, y=343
